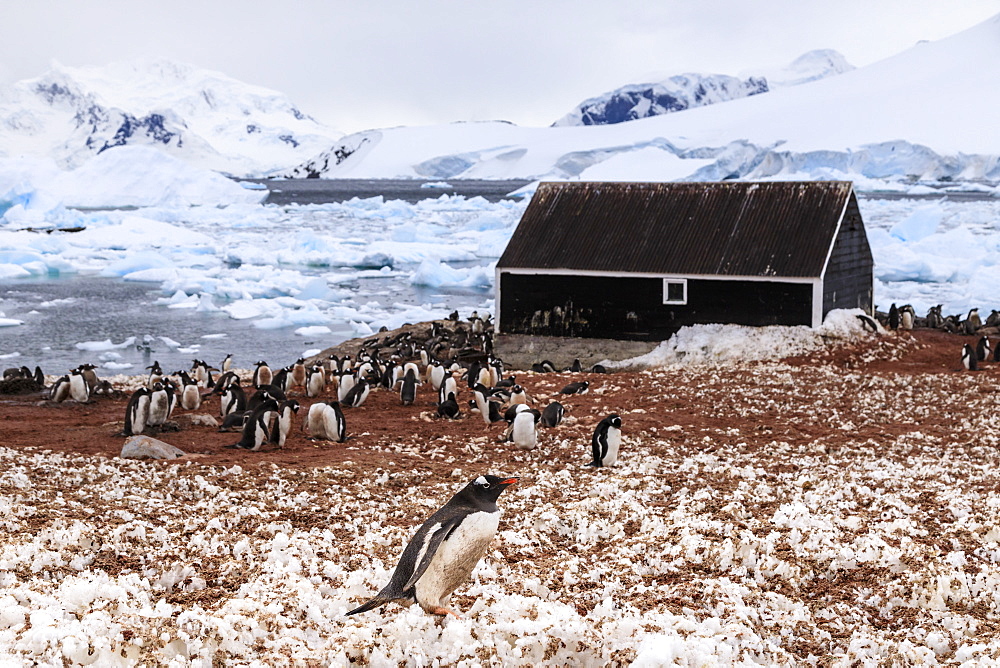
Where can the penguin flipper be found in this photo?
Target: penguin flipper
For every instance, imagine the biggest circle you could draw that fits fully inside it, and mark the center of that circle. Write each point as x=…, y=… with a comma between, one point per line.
x=599, y=449
x=432, y=540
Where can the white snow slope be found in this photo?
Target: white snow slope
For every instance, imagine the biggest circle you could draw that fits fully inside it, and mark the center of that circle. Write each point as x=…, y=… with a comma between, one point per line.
x=205, y=118
x=925, y=113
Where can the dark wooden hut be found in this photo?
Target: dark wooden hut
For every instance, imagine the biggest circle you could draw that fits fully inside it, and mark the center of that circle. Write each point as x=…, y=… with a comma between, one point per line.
x=638, y=261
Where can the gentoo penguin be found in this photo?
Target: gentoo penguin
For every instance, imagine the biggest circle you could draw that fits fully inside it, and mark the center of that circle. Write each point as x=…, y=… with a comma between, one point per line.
x=449, y=408
x=868, y=322
x=972, y=321
x=544, y=366
x=436, y=374
x=523, y=428
x=983, y=348
x=315, y=380
x=509, y=381
x=325, y=420
x=234, y=399
x=408, y=390
x=39, y=378
x=347, y=381
x=449, y=386
x=159, y=405
x=90, y=376
x=518, y=395
x=59, y=392
x=223, y=381
x=136, y=412
x=282, y=380
x=481, y=394
x=227, y=363
x=357, y=394
x=255, y=430
x=202, y=373
x=598, y=368
x=190, y=392
x=262, y=375
x=906, y=317
x=445, y=549
x=893, y=317
x=579, y=387
x=552, y=415
x=934, y=318
x=283, y=423
x=79, y=390
x=155, y=374
x=298, y=373
x=969, y=358
x=234, y=421
x=606, y=441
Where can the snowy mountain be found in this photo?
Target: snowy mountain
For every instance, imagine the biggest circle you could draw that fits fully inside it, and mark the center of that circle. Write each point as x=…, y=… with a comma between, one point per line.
x=687, y=91
x=205, y=118
x=810, y=66
x=924, y=114
x=684, y=91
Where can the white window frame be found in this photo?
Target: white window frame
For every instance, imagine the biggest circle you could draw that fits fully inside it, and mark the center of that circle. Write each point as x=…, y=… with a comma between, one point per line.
x=671, y=280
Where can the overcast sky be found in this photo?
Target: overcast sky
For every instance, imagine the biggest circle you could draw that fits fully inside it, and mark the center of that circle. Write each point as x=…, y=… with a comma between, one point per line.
x=369, y=63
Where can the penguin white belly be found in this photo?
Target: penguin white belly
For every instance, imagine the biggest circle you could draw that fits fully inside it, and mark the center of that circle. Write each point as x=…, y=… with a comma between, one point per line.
x=346, y=383
x=284, y=425
x=191, y=398
x=614, y=442
x=158, y=407
x=455, y=559
x=523, y=433
x=78, y=389
x=316, y=421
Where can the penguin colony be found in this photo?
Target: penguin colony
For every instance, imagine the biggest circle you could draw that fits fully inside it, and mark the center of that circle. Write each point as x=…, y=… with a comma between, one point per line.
x=452, y=368
x=972, y=357
x=445, y=549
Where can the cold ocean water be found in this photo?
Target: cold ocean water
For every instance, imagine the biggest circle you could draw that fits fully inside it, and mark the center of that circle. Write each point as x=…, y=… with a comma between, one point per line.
x=123, y=326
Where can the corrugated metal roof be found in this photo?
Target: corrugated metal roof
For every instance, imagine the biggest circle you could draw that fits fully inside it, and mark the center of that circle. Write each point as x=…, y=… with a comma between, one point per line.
x=718, y=228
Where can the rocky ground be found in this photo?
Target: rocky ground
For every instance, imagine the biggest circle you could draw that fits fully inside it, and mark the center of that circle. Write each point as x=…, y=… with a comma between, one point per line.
x=820, y=510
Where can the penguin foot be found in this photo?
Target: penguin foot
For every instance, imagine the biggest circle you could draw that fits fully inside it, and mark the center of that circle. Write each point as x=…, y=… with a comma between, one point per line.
x=441, y=610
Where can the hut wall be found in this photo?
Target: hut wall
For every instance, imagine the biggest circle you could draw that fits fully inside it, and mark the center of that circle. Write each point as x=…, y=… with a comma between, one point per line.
x=848, y=280
x=632, y=308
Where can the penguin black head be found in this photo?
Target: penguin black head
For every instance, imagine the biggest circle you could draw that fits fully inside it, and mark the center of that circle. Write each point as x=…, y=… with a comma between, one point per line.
x=614, y=420
x=485, y=490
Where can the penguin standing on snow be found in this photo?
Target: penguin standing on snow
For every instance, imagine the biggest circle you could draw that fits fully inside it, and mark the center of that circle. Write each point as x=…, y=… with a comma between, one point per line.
x=969, y=358
x=445, y=549
x=606, y=441
x=136, y=412
x=523, y=427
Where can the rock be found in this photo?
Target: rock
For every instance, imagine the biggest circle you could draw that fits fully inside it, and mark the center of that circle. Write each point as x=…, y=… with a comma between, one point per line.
x=145, y=447
x=196, y=420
